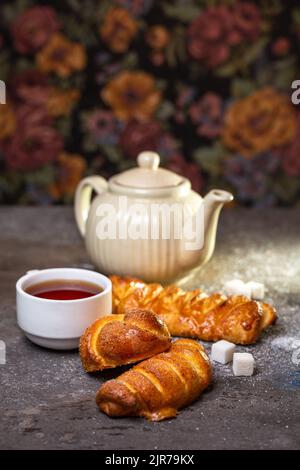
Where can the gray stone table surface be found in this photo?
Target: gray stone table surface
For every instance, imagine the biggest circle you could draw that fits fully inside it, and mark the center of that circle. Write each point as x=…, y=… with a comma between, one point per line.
x=47, y=401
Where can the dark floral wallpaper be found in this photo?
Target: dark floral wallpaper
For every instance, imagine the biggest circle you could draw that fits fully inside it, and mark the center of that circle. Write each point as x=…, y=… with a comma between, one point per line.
x=207, y=84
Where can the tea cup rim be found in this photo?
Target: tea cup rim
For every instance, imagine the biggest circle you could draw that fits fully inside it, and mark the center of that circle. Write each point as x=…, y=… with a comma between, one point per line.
x=19, y=284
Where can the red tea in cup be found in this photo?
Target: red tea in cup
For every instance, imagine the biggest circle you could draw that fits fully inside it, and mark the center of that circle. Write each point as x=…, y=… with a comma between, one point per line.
x=64, y=289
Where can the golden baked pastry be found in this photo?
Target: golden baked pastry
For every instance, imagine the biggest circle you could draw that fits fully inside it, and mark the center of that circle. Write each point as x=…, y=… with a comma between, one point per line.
x=160, y=386
x=195, y=314
x=121, y=287
x=116, y=340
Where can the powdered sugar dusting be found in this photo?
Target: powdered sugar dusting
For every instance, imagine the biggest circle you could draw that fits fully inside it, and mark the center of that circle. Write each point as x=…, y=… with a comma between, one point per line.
x=286, y=343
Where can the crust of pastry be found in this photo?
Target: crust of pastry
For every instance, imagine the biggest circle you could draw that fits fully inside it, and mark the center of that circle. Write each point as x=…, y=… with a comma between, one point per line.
x=195, y=314
x=123, y=339
x=160, y=386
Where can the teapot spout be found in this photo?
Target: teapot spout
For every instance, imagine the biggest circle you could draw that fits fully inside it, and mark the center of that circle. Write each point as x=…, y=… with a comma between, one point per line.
x=213, y=203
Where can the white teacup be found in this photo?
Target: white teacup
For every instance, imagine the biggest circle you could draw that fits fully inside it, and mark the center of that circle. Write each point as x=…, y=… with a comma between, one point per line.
x=58, y=324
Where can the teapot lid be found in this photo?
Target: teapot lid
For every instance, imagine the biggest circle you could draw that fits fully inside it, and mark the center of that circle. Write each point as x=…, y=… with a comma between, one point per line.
x=148, y=179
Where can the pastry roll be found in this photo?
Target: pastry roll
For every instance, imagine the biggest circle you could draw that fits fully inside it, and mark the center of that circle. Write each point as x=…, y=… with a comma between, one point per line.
x=160, y=386
x=121, y=287
x=194, y=314
x=116, y=340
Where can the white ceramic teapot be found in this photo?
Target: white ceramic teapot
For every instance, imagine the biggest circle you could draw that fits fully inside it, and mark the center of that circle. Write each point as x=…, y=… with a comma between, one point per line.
x=133, y=224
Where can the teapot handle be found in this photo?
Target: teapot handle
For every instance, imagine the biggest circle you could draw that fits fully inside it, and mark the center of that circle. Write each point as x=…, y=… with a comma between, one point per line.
x=83, y=198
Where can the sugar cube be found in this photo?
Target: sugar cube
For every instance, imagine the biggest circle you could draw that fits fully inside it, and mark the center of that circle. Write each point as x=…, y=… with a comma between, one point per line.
x=257, y=290
x=237, y=287
x=243, y=364
x=222, y=351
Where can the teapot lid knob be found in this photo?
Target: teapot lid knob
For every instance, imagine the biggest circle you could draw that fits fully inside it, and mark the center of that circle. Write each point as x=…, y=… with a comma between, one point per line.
x=148, y=160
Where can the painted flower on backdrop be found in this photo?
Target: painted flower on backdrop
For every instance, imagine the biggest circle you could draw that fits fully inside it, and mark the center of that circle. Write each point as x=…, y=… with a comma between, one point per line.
x=185, y=78
x=139, y=136
x=168, y=146
x=185, y=97
x=251, y=178
x=262, y=121
x=290, y=155
x=136, y=7
x=281, y=46
x=33, y=88
x=157, y=38
x=246, y=21
x=35, y=143
x=132, y=95
x=249, y=186
x=207, y=115
x=7, y=121
x=213, y=34
x=60, y=102
x=29, y=87
x=291, y=158
x=61, y=56
x=102, y=126
x=33, y=28
x=190, y=170
x=70, y=169
x=118, y=29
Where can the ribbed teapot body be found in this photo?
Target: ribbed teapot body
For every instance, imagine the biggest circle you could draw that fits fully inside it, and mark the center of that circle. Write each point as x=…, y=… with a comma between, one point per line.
x=144, y=237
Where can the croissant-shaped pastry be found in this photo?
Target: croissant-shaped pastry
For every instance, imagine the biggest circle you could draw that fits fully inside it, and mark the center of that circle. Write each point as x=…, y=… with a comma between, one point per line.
x=160, y=386
x=195, y=314
x=115, y=340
